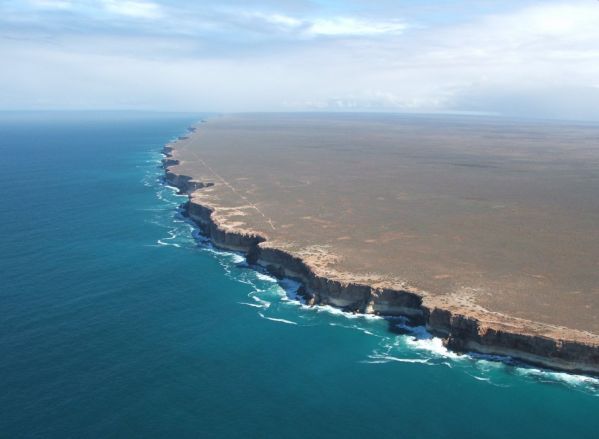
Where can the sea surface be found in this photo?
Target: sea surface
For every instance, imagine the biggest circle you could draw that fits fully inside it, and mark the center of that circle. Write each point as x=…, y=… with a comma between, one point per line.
x=117, y=319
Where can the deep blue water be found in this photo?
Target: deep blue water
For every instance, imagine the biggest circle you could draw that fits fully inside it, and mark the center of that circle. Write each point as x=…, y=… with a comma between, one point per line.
x=116, y=322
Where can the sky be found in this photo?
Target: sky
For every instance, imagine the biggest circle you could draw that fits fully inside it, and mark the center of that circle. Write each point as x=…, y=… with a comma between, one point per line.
x=512, y=58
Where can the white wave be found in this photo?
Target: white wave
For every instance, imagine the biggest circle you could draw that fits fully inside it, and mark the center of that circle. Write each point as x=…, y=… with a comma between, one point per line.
x=433, y=345
x=254, y=305
x=290, y=290
x=590, y=383
x=489, y=359
x=174, y=191
x=262, y=302
x=220, y=254
x=172, y=234
x=226, y=259
x=488, y=380
x=265, y=277
x=356, y=328
x=165, y=194
x=236, y=258
x=289, y=322
x=476, y=377
x=339, y=312
x=421, y=333
x=173, y=244
x=379, y=359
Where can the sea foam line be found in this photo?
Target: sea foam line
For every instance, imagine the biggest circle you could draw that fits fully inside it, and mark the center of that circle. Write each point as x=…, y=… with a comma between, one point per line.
x=289, y=322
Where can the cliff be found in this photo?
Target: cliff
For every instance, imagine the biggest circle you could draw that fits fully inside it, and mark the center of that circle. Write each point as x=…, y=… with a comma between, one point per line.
x=464, y=328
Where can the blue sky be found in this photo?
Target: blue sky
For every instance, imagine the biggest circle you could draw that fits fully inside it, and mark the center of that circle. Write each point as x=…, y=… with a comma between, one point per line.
x=515, y=58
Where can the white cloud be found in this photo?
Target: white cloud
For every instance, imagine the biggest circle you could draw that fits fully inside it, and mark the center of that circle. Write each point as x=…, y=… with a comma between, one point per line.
x=51, y=4
x=567, y=19
x=535, y=60
x=284, y=21
x=133, y=8
x=353, y=26
x=332, y=26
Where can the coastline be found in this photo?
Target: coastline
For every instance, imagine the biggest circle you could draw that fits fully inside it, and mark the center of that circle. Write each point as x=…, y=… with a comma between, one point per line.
x=462, y=328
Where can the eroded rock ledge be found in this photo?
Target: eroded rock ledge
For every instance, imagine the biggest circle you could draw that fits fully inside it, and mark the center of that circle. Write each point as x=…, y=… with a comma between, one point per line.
x=463, y=329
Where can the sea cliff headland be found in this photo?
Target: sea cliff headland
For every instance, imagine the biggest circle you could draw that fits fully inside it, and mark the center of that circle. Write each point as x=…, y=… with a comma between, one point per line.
x=483, y=231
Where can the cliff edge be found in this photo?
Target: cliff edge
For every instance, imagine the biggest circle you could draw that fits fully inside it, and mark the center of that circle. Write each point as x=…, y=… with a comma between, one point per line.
x=462, y=325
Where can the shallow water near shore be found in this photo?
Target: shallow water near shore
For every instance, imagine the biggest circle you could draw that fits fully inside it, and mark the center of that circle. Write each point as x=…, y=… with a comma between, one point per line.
x=119, y=319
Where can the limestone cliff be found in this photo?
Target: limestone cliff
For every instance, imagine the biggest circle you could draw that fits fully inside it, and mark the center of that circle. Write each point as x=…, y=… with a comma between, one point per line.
x=462, y=328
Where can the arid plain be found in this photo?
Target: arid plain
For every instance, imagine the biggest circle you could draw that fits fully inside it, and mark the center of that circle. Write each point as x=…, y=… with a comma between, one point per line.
x=481, y=213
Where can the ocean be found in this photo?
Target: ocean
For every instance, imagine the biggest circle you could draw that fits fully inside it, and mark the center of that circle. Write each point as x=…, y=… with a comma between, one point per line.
x=119, y=320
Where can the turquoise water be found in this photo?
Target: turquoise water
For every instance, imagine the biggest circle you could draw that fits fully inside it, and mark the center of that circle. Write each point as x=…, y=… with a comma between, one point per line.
x=117, y=320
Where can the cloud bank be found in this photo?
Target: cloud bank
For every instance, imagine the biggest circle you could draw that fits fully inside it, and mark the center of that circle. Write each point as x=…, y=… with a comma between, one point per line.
x=515, y=58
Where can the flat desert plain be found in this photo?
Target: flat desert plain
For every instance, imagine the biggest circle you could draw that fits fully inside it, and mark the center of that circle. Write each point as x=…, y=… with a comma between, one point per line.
x=481, y=212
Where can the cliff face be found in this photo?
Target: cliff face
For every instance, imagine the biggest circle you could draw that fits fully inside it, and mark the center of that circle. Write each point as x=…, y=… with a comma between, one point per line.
x=202, y=216
x=463, y=330
x=466, y=333
x=350, y=296
x=184, y=183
